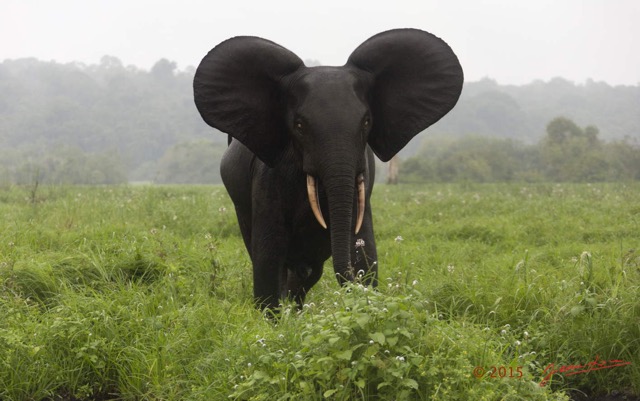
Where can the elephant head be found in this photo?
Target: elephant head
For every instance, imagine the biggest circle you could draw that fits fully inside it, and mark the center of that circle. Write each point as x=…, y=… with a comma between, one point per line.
x=393, y=86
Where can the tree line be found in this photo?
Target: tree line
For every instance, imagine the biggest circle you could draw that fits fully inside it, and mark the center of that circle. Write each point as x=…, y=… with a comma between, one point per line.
x=103, y=124
x=568, y=153
x=109, y=123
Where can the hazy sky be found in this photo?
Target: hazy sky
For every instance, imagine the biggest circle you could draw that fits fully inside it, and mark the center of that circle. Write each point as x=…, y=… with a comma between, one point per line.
x=512, y=41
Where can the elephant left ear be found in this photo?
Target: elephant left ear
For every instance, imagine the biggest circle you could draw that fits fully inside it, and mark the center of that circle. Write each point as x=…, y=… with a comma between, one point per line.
x=417, y=79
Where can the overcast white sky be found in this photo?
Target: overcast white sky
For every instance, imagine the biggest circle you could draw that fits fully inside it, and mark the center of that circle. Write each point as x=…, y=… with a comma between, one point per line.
x=511, y=41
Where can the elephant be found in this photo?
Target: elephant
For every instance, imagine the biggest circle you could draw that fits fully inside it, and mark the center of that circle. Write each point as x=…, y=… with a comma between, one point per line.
x=300, y=167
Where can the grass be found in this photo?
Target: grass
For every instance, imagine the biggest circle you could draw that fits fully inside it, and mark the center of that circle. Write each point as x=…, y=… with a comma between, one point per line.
x=144, y=293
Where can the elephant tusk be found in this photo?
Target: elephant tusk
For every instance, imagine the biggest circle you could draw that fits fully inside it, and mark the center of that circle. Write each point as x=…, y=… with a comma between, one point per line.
x=312, y=192
x=361, y=194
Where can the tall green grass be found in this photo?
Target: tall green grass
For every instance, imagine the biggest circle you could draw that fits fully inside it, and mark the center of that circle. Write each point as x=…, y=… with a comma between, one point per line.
x=144, y=293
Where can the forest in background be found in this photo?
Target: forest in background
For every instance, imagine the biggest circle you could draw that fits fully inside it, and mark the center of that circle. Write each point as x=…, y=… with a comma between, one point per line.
x=109, y=123
x=567, y=153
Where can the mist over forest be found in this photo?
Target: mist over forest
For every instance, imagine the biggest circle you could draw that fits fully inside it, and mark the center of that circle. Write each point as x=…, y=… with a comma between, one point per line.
x=109, y=123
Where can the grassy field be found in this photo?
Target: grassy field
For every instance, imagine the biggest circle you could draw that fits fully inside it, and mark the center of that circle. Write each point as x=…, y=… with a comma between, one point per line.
x=144, y=293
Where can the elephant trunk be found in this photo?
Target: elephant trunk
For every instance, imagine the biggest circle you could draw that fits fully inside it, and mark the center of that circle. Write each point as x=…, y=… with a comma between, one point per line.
x=340, y=186
x=314, y=201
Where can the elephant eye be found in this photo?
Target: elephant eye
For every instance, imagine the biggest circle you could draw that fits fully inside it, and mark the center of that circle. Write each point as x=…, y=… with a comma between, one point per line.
x=298, y=126
x=366, y=122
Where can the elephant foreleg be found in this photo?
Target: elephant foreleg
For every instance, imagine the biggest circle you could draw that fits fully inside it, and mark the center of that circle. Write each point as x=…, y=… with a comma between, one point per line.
x=268, y=256
x=300, y=279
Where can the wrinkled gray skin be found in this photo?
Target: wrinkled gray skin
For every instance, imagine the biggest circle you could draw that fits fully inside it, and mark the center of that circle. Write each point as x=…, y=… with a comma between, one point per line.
x=290, y=122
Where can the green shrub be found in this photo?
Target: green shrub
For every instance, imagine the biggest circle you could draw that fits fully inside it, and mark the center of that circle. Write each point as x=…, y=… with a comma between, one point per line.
x=362, y=344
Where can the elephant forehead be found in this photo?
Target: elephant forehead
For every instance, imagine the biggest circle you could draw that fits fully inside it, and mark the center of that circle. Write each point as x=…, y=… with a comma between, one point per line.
x=324, y=86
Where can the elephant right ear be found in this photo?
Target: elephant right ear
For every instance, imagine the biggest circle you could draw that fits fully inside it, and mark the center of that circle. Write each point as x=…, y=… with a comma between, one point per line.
x=237, y=90
x=417, y=79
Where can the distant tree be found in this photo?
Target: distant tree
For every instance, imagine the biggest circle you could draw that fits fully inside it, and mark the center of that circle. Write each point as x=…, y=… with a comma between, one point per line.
x=624, y=159
x=163, y=69
x=571, y=153
x=191, y=163
x=69, y=165
x=561, y=129
x=111, y=63
x=478, y=159
x=393, y=171
x=418, y=169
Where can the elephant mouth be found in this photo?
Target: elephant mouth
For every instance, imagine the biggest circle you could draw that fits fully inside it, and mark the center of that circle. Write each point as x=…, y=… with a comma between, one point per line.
x=314, y=201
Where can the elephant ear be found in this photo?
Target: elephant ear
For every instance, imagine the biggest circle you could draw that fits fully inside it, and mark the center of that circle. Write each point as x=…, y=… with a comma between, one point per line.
x=237, y=90
x=417, y=79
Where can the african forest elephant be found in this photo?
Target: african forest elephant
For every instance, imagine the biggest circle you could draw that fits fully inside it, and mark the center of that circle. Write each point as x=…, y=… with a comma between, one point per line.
x=300, y=168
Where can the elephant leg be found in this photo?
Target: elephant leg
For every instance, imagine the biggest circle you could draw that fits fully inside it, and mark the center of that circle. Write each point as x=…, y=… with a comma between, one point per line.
x=244, y=221
x=267, y=273
x=300, y=278
x=268, y=251
x=364, y=256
